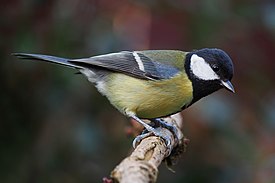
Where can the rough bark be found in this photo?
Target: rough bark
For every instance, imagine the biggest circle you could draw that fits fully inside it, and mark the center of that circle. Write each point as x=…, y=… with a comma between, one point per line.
x=142, y=165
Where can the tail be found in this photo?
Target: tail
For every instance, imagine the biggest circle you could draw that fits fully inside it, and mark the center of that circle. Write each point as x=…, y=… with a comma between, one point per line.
x=48, y=58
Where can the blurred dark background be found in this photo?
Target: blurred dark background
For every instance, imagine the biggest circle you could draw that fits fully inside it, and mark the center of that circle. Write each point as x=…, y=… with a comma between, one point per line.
x=55, y=127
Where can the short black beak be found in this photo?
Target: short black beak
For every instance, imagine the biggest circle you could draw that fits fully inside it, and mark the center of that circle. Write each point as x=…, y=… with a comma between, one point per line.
x=227, y=85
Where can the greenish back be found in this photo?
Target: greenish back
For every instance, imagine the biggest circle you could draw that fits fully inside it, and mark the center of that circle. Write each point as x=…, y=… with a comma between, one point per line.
x=173, y=58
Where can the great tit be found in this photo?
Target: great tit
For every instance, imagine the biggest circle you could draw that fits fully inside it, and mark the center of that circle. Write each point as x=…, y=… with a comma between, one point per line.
x=152, y=84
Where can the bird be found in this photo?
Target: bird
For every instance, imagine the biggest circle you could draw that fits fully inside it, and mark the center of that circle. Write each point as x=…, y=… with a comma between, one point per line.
x=152, y=84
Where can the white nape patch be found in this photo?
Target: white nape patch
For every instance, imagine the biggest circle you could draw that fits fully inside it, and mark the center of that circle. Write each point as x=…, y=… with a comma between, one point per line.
x=201, y=69
x=139, y=61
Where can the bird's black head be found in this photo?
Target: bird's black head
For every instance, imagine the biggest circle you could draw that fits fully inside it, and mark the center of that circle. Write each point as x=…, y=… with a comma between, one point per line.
x=209, y=69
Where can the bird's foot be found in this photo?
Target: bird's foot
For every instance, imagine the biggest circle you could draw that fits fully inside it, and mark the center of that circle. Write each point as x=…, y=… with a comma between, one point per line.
x=170, y=126
x=140, y=137
x=169, y=132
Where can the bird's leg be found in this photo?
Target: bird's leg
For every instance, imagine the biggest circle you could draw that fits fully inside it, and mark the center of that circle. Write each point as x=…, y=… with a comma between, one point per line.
x=146, y=126
x=157, y=131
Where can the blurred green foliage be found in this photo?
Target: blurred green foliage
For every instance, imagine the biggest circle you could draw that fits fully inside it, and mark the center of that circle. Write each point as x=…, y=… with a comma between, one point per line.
x=55, y=127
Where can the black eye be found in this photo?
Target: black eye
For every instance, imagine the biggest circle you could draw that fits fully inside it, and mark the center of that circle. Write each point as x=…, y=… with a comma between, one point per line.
x=215, y=68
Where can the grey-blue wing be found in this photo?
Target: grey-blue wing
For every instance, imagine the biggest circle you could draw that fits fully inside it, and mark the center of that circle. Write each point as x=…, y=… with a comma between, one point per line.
x=131, y=63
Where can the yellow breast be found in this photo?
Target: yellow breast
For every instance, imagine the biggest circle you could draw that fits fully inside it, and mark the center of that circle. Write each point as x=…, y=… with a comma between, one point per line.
x=148, y=99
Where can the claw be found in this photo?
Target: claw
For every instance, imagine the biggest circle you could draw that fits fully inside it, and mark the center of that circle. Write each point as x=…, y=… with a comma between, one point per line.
x=139, y=138
x=166, y=136
x=161, y=132
x=172, y=127
x=162, y=129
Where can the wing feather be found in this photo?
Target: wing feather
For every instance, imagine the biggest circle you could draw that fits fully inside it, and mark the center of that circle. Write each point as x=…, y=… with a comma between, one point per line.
x=134, y=64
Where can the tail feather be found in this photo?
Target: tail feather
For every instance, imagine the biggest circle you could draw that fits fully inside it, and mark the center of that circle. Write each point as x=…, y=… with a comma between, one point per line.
x=48, y=58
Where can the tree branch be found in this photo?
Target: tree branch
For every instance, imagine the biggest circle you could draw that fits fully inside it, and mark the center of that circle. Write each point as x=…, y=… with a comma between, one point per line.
x=142, y=165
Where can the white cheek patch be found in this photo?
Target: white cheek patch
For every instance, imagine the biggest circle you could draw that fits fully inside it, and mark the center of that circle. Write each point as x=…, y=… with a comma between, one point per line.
x=201, y=69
